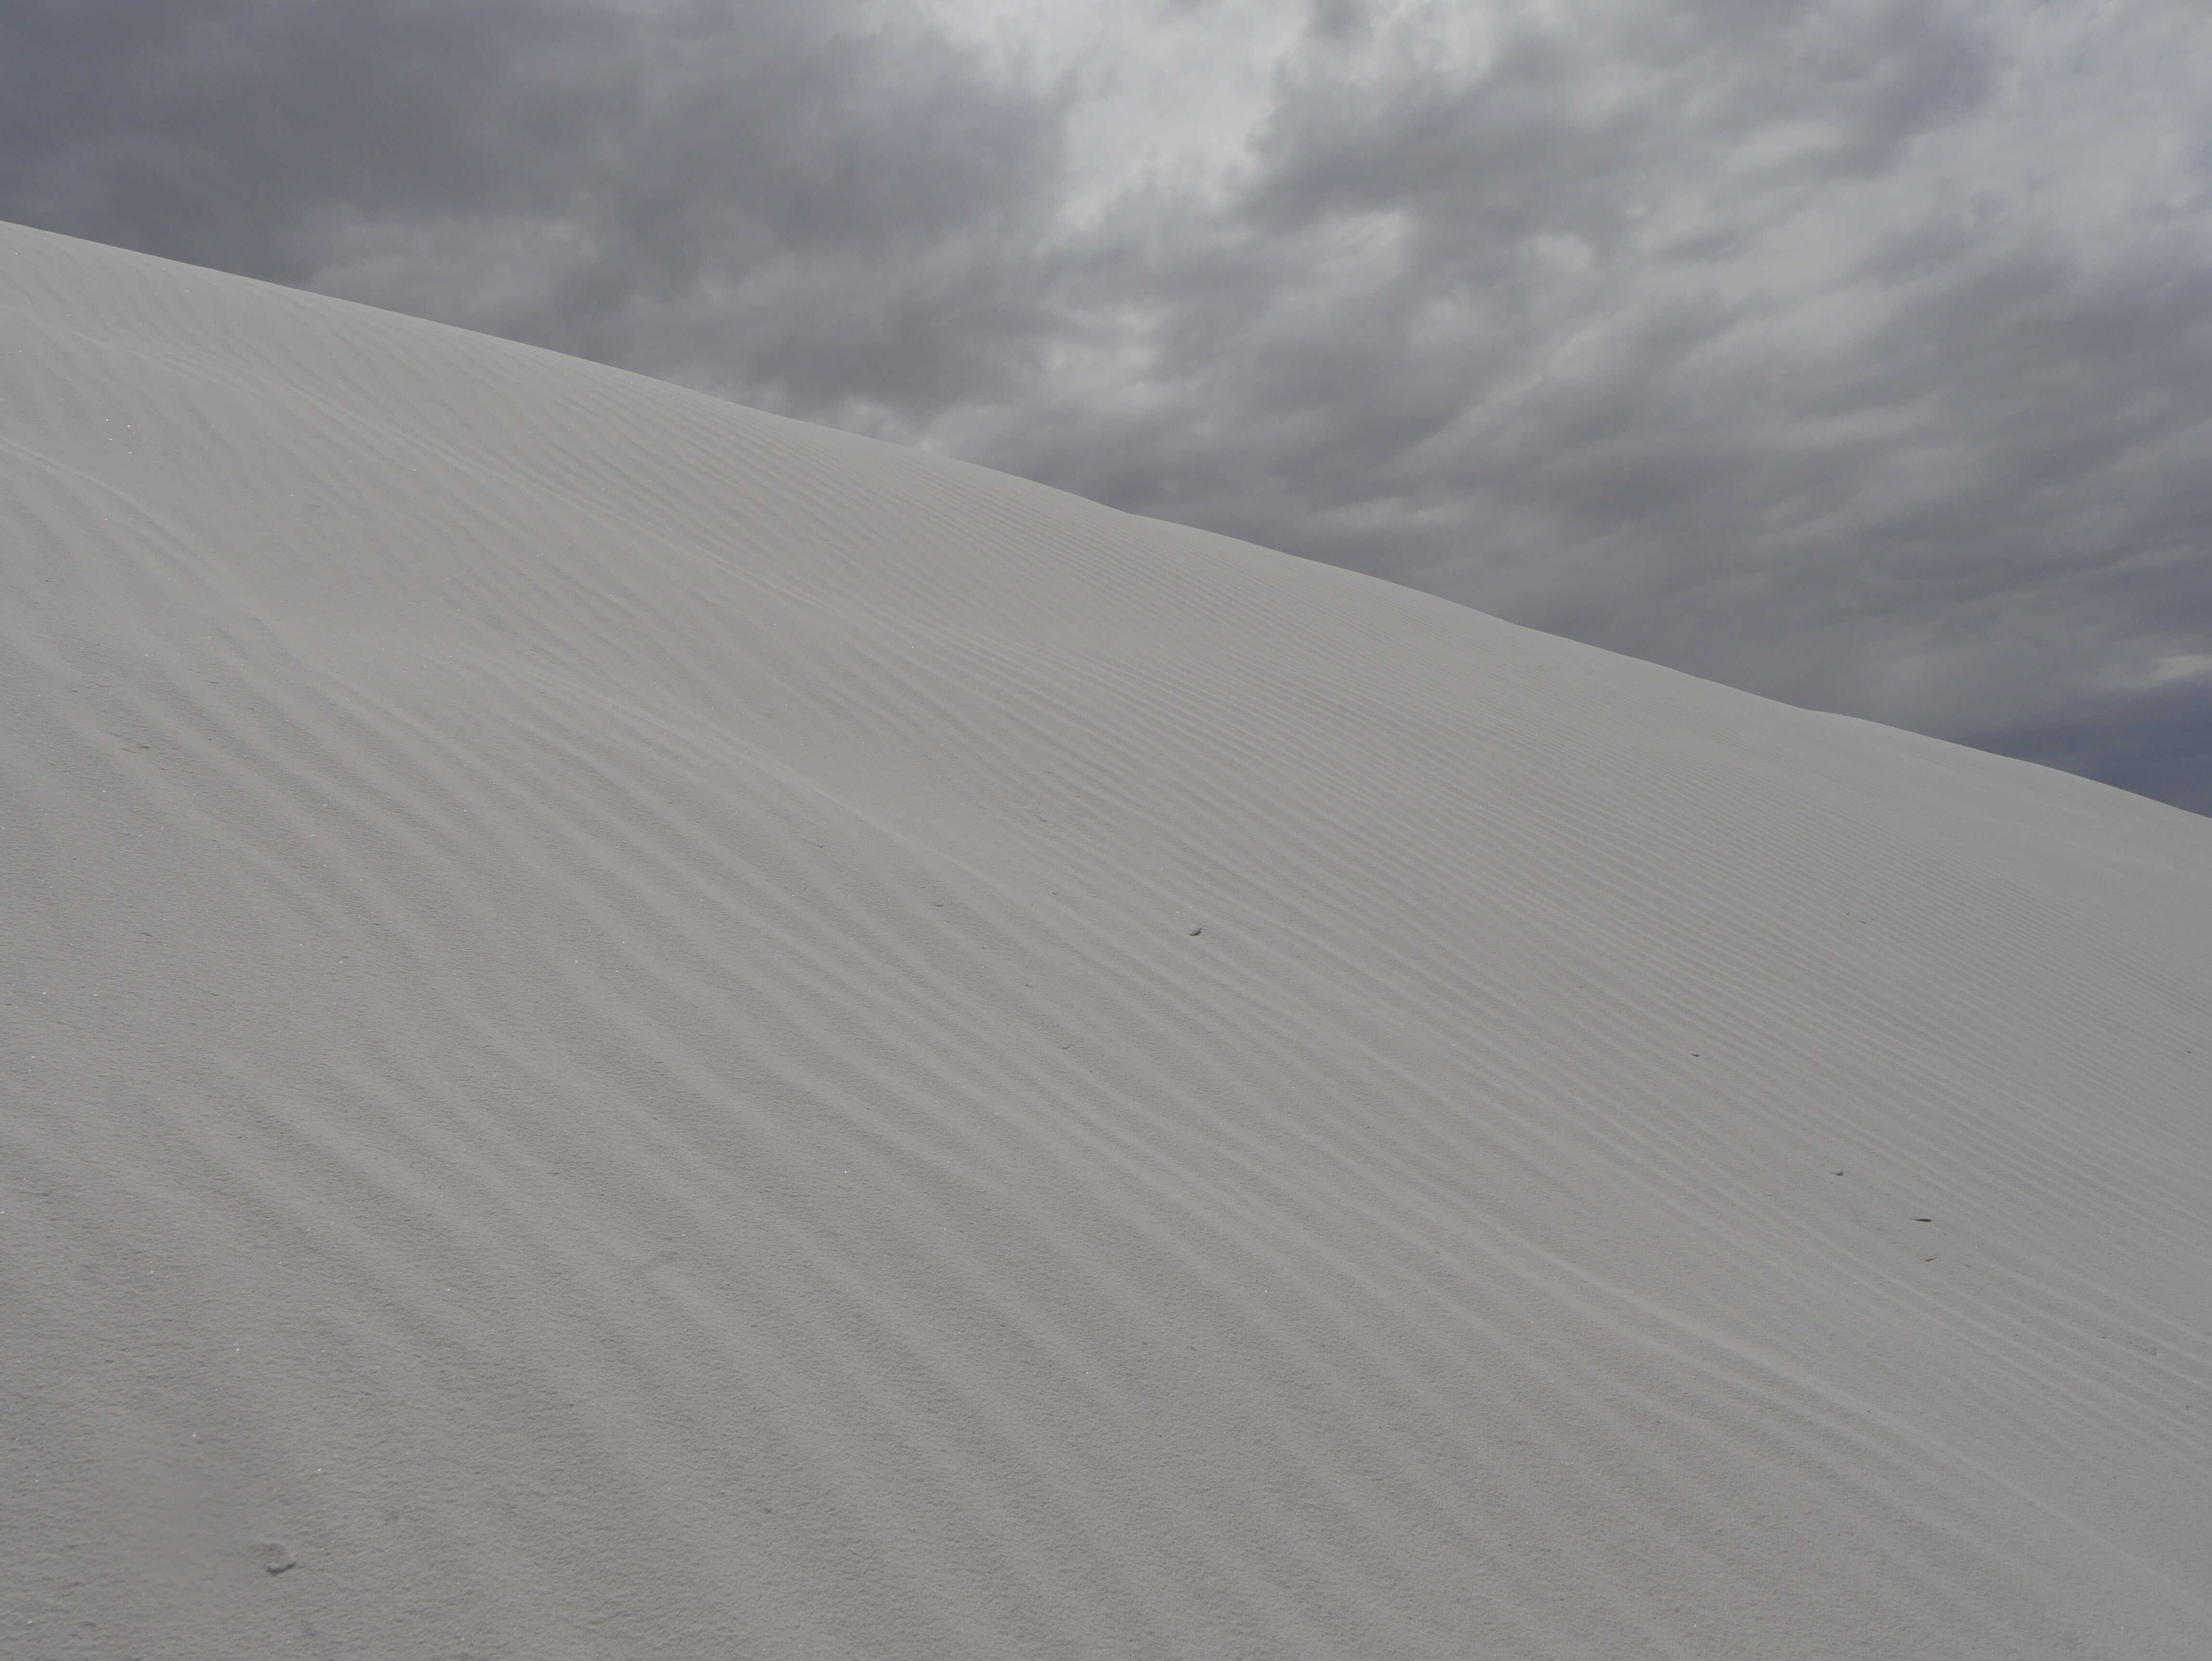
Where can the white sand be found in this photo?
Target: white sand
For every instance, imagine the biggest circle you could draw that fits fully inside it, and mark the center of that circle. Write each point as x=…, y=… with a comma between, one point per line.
x=608, y=1053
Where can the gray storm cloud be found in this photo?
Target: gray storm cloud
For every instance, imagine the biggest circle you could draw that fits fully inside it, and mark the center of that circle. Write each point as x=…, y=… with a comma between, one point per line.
x=1859, y=354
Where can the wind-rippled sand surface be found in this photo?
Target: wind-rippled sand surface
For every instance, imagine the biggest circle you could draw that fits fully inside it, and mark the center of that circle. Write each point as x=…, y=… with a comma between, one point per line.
x=637, y=1030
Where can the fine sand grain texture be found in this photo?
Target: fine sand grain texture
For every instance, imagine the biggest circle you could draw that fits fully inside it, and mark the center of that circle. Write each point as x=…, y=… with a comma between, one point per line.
x=633, y=1029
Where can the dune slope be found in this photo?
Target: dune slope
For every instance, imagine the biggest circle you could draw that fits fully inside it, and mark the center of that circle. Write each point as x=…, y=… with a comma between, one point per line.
x=635, y=1029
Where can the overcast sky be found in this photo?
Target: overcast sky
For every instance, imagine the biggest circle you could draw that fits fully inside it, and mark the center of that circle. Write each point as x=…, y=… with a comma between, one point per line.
x=1856, y=353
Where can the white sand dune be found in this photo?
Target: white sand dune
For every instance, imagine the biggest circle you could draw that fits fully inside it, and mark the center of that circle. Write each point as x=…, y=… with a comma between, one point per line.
x=637, y=1029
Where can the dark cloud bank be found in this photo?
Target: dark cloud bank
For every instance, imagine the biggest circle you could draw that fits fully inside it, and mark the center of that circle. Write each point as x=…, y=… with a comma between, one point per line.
x=1859, y=354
